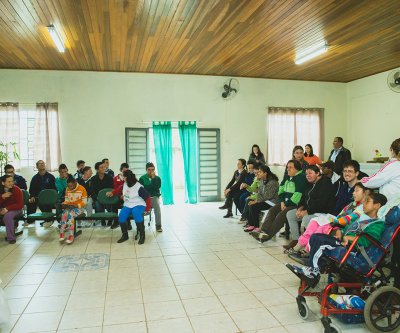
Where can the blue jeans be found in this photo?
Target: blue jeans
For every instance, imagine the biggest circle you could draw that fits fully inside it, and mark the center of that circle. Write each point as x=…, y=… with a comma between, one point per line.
x=136, y=212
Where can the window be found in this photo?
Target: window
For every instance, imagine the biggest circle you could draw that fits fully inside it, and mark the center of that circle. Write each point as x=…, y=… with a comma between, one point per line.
x=288, y=127
x=26, y=137
x=209, y=165
x=35, y=129
x=137, y=151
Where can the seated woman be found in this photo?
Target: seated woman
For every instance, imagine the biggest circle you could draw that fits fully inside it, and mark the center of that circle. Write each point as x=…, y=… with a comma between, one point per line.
x=318, y=197
x=321, y=244
x=290, y=192
x=137, y=201
x=267, y=191
x=232, y=190
x=73, y=205
x=327, y=224
x=310, y=157
x=388, y=177
x=11, y=205
x=256, y=156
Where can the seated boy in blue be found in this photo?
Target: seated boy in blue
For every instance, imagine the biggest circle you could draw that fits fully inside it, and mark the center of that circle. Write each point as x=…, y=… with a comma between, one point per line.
x=321, y=244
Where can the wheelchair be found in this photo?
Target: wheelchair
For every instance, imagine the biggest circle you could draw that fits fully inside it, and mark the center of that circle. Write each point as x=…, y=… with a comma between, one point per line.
x=373, y=274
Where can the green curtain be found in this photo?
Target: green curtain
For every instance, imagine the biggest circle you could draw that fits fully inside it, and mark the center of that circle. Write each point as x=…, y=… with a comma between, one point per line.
x=188, y=136
x=162, y=133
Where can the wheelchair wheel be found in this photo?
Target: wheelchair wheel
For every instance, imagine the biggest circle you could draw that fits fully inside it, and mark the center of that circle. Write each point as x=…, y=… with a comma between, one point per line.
x=382, y=310
x=303, y=310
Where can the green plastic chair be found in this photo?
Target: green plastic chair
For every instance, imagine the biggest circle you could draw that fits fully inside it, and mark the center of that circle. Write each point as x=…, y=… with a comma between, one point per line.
x=107, y=203
x=46, y=198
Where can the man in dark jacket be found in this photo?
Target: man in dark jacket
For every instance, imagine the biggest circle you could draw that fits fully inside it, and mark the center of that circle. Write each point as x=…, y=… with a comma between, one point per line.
x=99, y=182
x=43, y=180
x=319, y=197
x=18, y=180
x=339, y=155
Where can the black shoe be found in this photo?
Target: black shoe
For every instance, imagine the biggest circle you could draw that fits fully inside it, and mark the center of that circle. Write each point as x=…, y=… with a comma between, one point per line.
x=158, y=229
x=103, y=223
x=223, y=207
x=115, y=225
x=229, y=214
x=124, y=229
x=142, y=232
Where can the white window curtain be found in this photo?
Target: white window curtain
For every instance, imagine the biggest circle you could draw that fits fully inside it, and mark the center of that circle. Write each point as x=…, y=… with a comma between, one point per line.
x=288, y=127
x=9, y=122
x=47, y=137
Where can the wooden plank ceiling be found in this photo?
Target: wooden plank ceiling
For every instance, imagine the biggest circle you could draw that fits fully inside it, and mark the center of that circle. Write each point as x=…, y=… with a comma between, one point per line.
x=242, y=38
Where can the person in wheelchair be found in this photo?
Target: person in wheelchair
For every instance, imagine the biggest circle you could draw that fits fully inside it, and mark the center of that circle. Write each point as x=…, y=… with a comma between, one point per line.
x=327, y=223
x=321, y=244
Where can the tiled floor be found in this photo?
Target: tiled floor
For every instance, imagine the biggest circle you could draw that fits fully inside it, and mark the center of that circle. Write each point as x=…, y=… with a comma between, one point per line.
x=202, y=274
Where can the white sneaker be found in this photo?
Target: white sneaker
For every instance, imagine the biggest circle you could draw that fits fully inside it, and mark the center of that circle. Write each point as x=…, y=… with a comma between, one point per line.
x=48, y=224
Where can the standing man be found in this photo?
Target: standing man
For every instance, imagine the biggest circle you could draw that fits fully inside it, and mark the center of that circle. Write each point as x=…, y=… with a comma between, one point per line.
x=152, y=184
x=43, y=180
x=339, y=154
x=18, y=180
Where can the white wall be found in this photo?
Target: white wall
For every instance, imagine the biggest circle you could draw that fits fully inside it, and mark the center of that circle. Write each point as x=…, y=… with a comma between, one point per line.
x=96, y=107
x=373, y=116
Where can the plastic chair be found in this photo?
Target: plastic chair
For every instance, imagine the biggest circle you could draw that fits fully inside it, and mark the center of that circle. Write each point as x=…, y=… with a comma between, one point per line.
x=46, y=198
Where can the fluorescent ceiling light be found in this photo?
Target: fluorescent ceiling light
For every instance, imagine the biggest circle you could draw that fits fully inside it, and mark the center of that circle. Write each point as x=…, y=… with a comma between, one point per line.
x=310, y=53
x=56, y=38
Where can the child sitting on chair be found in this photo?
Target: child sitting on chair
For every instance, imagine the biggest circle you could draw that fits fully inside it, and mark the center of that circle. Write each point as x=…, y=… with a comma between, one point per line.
x=327, y=224
x=74, y=204
x=320, y=244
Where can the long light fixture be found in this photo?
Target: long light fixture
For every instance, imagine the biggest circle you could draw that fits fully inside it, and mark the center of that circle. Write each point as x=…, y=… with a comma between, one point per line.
x=56, y=38
x=311, y=53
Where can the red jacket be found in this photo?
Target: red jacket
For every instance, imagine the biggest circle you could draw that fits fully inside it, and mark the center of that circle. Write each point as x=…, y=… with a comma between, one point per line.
x=15, y=202
x=117, y=182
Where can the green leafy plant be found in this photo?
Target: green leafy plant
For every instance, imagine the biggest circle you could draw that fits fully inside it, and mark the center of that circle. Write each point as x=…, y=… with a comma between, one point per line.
x=8, y=153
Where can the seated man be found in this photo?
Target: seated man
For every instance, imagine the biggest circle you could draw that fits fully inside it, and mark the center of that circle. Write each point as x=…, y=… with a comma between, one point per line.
x=61, y=181
x=321, y=244
x=250, y=195
x=318, y=197
x=119, y=179
x=108, y=171
x=248, y=180
x=18, y=180
x=152, y=184
x=41, y=181
x=99, y=182
x=86, y=182
x=79, y=172
x=328, y=169
x=345, y=190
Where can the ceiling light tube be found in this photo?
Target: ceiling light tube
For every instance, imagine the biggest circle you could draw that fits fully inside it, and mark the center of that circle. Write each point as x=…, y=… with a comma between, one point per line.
x=56, y=38
x=307, y=56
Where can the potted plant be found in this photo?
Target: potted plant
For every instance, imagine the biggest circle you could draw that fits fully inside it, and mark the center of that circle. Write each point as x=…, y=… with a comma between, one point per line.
x=8, y=152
